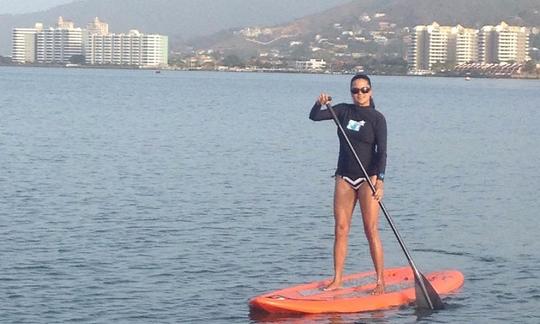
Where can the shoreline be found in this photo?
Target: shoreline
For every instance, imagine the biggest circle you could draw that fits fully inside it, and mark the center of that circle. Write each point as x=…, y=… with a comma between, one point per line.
x=158, y=70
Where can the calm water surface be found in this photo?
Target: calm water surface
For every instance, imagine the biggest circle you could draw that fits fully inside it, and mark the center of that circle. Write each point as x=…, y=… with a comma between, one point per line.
x=135, y=197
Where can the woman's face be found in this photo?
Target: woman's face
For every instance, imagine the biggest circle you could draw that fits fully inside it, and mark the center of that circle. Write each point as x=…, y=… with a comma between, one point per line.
x=361, y=92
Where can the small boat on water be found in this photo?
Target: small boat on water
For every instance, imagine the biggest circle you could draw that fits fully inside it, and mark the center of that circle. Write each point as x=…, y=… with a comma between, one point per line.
x=468, y=78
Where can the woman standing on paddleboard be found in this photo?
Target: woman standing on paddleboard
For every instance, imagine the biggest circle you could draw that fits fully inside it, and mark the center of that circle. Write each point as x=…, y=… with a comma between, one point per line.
x=366, y=129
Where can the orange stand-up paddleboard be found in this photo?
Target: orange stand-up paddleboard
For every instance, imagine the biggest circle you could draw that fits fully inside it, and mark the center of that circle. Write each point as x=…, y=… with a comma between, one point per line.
x=355, y=296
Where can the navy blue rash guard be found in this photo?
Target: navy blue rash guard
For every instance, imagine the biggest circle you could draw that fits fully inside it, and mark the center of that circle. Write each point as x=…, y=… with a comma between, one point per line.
x=366, y=129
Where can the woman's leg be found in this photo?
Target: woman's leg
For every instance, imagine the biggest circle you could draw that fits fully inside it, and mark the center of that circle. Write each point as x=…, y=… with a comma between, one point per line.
x=370, y=215
x=344, y=201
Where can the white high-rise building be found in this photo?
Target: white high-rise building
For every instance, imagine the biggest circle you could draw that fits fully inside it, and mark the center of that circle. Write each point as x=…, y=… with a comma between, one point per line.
x=24, y=44
x=431, y=44
x=66, y=44
x=59, y=44
x=64, y=24
x=504, y=44
x=439, y=37
x=434, y=44
x=97, y=27
x=488, y=45
x=155, y=49
x=463, y=47
x=133, y=48
x=418, y=54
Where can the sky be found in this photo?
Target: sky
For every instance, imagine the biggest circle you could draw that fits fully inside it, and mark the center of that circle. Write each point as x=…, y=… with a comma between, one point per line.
x=23, y=6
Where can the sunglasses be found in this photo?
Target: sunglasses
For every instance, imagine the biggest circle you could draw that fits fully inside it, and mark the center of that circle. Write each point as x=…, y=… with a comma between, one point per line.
x=358, y=90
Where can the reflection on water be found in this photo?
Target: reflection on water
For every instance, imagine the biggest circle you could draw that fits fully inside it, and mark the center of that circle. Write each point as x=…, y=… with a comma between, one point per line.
x=371, y=317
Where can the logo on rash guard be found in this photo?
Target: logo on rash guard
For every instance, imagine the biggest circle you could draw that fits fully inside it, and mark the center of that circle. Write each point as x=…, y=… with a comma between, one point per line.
x=355, y=125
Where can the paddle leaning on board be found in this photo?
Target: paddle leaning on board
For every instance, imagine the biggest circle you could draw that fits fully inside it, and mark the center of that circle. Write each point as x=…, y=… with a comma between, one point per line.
x=403, y=284
x=426, y=296
x=352, y=293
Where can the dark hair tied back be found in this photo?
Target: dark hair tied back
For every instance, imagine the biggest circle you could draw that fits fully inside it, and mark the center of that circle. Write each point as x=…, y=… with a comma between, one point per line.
x=361, y=76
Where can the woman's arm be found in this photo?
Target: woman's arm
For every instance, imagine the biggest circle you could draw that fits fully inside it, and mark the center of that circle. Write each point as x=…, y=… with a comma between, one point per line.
x=319, y=110
x=380, y=138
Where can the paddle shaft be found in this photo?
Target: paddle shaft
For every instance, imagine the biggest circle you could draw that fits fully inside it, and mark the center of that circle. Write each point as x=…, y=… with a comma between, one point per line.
x=417, y=274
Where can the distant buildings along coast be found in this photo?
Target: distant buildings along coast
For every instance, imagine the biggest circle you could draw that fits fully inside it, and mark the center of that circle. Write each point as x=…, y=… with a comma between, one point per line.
x=453, y=46
x=373, y=44
x=94, y=45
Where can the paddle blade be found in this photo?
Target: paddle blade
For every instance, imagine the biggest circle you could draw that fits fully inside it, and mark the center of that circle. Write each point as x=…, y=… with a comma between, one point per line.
x=434, y=302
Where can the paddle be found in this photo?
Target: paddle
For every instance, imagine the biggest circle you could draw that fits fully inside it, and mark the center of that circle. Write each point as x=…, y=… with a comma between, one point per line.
x=426, y=296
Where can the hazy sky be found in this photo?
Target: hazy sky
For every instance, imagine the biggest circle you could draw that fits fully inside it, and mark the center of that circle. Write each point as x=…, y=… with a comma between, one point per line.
x=22, y=6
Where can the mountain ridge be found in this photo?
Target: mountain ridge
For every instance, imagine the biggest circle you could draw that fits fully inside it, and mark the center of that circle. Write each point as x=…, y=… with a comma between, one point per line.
x=402, y=13
x=184, y=20
x=409, y=13
x=179, y=19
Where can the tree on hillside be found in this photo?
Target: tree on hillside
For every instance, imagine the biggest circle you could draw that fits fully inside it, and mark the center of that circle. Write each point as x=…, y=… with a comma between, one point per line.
x=300, y=52
x=232, y=60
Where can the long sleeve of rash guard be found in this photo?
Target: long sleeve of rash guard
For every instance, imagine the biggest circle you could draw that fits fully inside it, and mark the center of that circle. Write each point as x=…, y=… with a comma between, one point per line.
x=380, y=139
x=318, y=112
x=345, y=112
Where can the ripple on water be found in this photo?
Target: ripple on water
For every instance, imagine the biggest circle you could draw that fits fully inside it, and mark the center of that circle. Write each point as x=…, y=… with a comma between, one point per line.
x=155, y=200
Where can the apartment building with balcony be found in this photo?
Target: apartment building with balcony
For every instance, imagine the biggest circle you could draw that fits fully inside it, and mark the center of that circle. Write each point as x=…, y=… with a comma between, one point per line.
x=97, y=27
x=433, y=44
x=463, y=46
x=24, y=44
x=418, y=53
x=64, y=43
x=133, y=48
x=59, y=44
x=504, y=44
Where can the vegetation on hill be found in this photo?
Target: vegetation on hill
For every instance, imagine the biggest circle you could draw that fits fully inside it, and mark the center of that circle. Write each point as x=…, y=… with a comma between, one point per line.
x=369, y=35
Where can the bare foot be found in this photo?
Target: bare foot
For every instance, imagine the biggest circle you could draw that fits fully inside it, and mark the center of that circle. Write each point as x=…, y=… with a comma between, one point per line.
x=332, y=286
x=379, y=289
